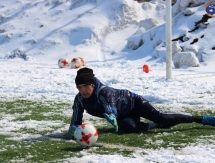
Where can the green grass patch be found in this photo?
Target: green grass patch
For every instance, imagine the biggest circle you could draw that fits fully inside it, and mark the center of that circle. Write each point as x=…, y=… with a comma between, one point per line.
x=36, y=151
x=44, y=140
x=177, y=137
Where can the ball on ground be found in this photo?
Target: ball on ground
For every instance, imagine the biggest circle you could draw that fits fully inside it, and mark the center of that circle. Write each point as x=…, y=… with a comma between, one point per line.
x=63, y=63
x=77, y=62
x=86, y=135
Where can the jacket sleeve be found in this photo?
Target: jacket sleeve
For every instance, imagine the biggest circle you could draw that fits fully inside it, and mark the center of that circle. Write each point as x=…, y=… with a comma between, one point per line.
x=108, y=98
x=77, y=112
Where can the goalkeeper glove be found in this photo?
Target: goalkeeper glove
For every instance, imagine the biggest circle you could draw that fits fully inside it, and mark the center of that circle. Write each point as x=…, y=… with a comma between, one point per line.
x=71, y=131
x=111, y=118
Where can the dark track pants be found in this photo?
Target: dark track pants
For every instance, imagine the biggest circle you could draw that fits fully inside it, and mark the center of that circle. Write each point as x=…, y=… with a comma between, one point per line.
x=145, y=109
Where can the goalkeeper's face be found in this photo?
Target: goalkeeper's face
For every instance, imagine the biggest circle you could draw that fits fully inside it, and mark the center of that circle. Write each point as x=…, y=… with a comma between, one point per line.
x=85, y=90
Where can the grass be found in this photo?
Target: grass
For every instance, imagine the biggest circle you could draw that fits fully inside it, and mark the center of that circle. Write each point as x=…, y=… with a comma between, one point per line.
x=35, y=132
x=35, y=151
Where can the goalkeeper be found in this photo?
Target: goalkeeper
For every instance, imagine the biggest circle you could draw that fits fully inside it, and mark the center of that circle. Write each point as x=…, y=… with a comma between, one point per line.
x=122, y=108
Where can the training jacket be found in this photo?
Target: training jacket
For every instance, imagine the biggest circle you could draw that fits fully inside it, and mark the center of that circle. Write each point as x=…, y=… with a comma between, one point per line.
x=104, y=99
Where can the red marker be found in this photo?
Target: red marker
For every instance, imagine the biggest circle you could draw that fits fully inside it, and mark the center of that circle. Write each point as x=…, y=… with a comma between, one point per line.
x=145, y=68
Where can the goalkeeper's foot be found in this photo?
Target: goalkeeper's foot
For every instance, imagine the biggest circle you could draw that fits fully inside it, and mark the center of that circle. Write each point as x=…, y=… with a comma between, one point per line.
x=208, y=120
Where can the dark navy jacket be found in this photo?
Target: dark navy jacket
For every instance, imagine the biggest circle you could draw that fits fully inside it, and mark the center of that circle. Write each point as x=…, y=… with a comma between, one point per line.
x=103, y=100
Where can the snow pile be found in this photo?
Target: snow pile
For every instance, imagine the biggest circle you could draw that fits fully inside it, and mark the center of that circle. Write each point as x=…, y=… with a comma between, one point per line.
x=185, y=59
x=60, y=24
x=193, y=31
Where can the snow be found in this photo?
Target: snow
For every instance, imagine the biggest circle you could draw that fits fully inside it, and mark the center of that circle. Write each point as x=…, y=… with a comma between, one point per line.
x=34, y=35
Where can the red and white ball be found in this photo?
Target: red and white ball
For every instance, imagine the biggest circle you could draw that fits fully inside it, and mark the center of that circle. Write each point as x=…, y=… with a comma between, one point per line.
x=86, y=135
x=77, y=62
x=63, y=63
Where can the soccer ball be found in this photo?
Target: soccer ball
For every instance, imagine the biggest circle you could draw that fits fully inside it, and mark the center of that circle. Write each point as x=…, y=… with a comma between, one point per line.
x=77, y=62
x=85, y=135
x=63, y=63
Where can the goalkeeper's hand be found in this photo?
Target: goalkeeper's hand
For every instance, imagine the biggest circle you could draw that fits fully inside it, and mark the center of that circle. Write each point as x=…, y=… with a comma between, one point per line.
x=111, y=118
x=71, y=131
